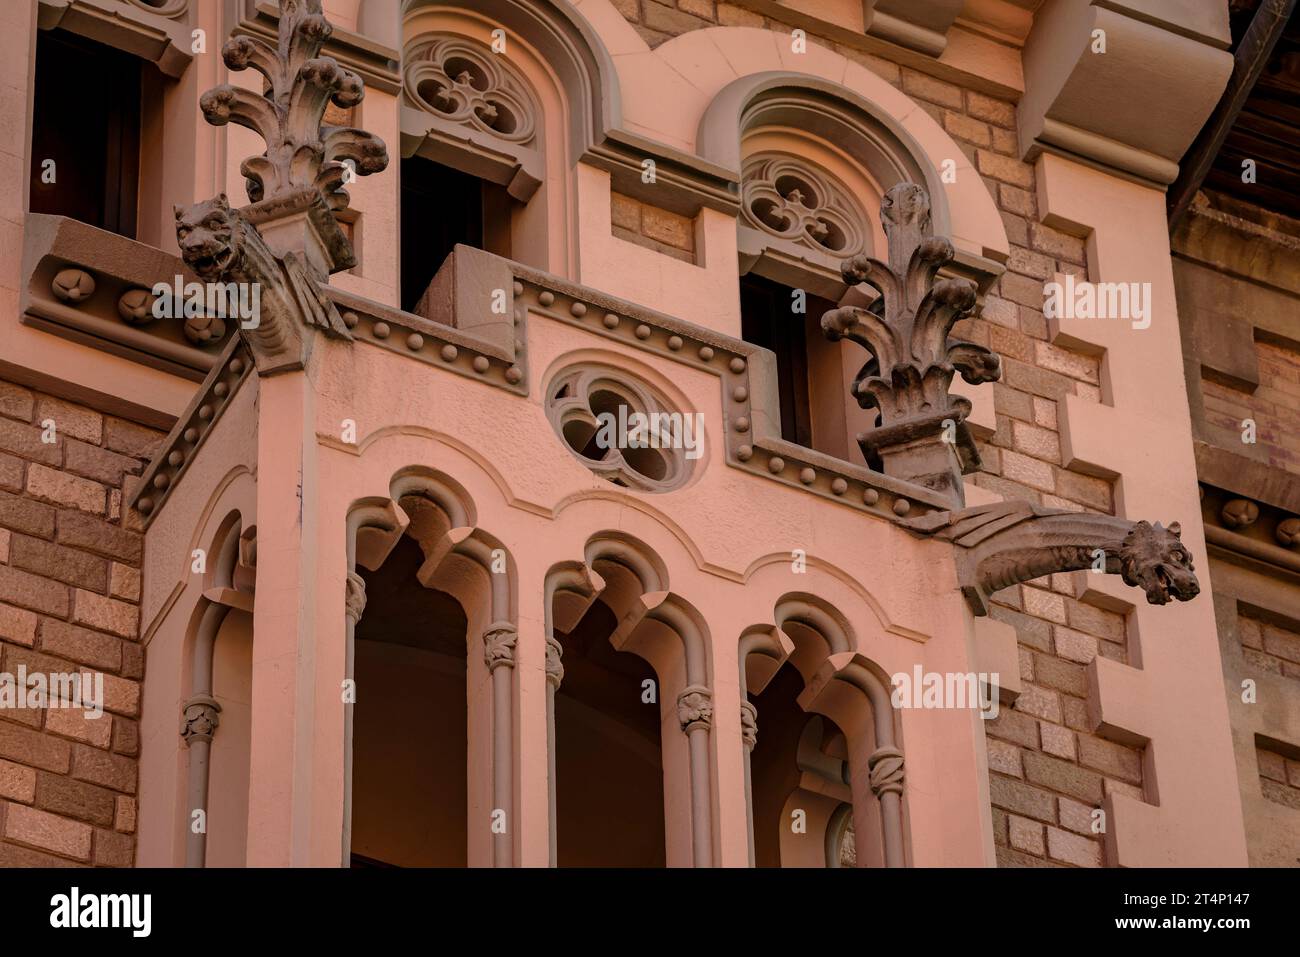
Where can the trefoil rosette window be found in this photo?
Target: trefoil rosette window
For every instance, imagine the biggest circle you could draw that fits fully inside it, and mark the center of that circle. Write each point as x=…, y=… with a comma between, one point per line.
x=622, y=429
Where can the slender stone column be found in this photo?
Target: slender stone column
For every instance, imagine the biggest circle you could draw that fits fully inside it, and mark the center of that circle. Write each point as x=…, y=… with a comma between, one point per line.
x=885, y=766
x=695, y=712
x=199, y=720
x=354, y=604
x=749, y=735
x=554, y=675
x=499, y=643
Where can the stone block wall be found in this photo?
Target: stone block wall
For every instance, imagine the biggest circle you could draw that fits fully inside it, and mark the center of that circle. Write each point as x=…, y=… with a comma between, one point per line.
x=69, y=593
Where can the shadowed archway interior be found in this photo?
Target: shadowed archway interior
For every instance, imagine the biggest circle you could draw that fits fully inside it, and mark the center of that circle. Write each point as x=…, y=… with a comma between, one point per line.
x=409, y=740
x=609, y=765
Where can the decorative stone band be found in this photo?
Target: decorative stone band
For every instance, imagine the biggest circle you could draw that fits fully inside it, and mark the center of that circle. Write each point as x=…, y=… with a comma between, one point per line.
x=477, y=354
x=886, y=769
x=695, y=708
x=1258, y=529
x=192, y=428
x=554, y=664
x=199, y=719
x=499, y=645
x=748, y=724
x=441, y=345
x=355, y=597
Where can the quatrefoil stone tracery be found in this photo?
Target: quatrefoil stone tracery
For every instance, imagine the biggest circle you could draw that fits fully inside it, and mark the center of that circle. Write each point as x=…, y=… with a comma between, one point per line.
x=465, y=83
x=796, y=203
x=581, y=400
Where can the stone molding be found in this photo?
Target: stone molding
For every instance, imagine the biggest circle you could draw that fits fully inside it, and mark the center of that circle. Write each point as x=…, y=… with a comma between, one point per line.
x=1158, y=61
x=95, y=287
x=920, y=25
x=1251, y=532
x=156, y=32
x=192, y=429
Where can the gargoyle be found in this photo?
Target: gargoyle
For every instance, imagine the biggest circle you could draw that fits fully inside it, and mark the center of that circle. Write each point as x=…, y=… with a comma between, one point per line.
x=1011, y=542
x=288, y=239
x=220, y=245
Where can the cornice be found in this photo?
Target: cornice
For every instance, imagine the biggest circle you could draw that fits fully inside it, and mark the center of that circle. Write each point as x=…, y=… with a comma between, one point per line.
x=117, y=268
x=160, y=36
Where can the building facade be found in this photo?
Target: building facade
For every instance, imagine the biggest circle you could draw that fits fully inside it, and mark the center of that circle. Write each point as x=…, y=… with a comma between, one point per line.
x=624, y=432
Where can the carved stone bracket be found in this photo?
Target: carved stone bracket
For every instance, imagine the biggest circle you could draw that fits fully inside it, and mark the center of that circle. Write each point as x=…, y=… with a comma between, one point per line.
x=885, y=766
x=922, y=435
x=1012, y=542
x=199, y=719
x=499, y=645
x=695, y=708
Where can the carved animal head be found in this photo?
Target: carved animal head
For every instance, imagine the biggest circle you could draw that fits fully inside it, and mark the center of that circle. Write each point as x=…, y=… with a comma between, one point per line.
x=1154, y=559
x=209, y=238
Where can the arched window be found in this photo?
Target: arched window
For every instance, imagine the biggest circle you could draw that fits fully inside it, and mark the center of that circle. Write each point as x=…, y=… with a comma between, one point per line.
x=471, y=154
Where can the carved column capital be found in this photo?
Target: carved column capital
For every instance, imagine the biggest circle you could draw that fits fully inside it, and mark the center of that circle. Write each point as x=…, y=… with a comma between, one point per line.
x=886, y=769
x=554, y=664
x=748, y=725
x=355, y=597
x=499, y=645
x=695, y=708
x=199, y=719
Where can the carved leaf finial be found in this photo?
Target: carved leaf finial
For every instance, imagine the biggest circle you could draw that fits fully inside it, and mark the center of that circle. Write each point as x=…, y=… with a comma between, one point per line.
x=302, y=153
x=906, y=331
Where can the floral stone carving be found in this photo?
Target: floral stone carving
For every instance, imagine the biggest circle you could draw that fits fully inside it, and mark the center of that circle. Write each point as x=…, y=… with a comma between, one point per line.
x=922, y=435
x=1012, y=542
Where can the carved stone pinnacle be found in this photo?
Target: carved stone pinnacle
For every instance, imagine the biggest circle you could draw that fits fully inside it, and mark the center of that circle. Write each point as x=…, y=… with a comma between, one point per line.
x=921, y=436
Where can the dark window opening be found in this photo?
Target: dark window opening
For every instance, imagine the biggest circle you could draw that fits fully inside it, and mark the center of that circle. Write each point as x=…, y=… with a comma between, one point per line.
x=768, y=319
x=442, y=207
x=88, y=129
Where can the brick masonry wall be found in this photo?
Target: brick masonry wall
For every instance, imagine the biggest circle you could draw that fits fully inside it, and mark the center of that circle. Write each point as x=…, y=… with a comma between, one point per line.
x=1048, y=772
x=1274, y=405
x=69, y=593
x=1269, y=647
x=654, y=228
x=1279, y=777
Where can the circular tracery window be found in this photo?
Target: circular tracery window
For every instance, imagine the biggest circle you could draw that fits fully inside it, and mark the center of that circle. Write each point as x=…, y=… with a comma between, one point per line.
x=622, y=429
